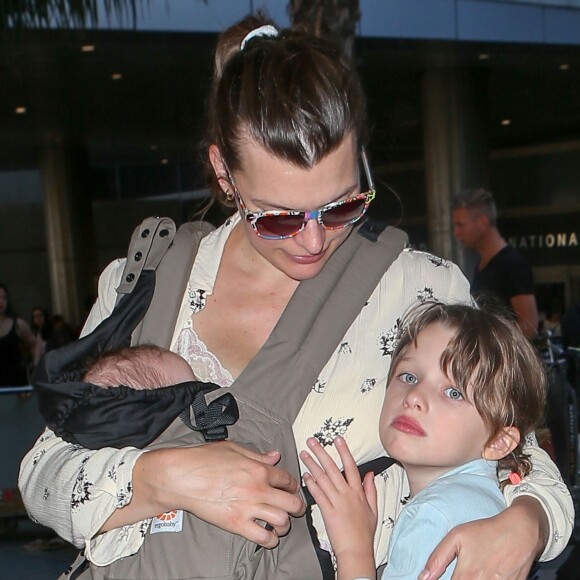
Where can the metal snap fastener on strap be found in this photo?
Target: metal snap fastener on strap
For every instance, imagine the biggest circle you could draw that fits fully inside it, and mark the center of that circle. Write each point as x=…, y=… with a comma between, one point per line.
x=148, y=245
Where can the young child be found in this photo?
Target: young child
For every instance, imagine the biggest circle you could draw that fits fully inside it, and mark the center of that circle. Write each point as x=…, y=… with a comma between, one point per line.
x=456, y=370
x=139, y=367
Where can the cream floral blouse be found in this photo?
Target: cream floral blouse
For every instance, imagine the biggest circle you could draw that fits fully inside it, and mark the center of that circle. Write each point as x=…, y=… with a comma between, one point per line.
x=74, y=491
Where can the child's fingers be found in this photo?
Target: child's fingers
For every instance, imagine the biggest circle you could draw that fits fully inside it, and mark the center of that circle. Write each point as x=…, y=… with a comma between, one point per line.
x=329, y=466
x=370, y=490
x=348, y=463
x=315, y=469
x=317, y=493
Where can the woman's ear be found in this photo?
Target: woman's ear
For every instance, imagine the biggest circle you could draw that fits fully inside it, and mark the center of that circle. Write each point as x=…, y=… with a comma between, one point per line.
x=219, y=167
x=502, y=444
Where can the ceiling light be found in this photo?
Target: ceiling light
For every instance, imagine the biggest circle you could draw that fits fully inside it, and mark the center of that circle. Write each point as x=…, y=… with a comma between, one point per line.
x=165, y=161
x=88, y=48
x=20, y=110
x=506, y=122
x=483, y=56
x=116, y=76
x=564, y=66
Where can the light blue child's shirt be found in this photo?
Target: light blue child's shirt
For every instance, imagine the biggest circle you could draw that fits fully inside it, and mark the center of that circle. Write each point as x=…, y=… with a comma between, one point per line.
x=466, y=493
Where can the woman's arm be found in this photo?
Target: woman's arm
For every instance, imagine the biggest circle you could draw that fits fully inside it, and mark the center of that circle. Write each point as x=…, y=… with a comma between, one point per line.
x=73, y=490
x=81, y=493
x=537, y=525
x=221, y=483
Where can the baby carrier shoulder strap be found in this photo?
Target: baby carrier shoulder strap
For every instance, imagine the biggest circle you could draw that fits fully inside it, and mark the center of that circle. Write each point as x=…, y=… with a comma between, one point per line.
x=310, y=328
x=156, y=245
x=317, y=317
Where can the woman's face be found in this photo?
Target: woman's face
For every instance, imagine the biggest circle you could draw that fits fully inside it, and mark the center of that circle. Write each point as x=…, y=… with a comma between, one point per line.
x=265, y=182
x=3, y=301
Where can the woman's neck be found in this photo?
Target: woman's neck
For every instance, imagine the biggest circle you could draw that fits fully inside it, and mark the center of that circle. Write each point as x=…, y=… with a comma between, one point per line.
x=251, y=263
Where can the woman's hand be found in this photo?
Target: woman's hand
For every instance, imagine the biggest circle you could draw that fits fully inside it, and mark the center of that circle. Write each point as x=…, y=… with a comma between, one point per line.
x=348, y=506
x=221, y=483
x=503, y=547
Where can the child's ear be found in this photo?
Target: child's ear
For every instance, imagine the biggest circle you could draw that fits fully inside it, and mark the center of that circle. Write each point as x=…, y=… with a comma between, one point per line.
x=502, y=444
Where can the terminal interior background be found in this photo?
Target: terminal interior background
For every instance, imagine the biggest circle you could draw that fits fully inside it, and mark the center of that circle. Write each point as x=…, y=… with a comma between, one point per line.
x=113, y=117
x=100, y=128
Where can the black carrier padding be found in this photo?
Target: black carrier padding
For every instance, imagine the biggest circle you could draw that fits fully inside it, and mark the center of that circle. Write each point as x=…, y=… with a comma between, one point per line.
x=95, y=417
x=212, y=420
x=371, y=229
x=375, y=465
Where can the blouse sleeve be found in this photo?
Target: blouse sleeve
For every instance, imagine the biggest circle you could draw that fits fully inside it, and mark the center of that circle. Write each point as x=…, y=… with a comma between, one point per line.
x=545, y=484
x=73, y=490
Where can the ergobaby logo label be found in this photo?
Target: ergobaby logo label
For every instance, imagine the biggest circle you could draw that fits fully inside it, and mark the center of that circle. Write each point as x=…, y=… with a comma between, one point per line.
x=168, y=522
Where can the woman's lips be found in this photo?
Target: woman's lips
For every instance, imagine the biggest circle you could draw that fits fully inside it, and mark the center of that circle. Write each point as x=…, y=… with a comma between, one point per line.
x=308, y=259
x=408, y=425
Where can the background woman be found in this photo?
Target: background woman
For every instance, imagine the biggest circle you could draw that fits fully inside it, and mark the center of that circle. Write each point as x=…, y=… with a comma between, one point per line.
x=16, y=341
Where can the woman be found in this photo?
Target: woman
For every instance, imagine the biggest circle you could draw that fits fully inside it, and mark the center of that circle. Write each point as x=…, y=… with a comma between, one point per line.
x=16, y=338
x=41, y=327
x=287, y=127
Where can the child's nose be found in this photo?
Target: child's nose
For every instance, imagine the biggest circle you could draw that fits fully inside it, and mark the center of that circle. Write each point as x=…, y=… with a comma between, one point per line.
x=416, y=399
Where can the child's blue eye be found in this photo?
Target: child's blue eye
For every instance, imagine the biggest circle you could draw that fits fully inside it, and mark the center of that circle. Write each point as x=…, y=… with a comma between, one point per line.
x=408, y=378
x=453, y=394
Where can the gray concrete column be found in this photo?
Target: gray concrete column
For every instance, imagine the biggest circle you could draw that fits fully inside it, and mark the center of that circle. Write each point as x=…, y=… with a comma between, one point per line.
x=456, y=148
x=69, y=226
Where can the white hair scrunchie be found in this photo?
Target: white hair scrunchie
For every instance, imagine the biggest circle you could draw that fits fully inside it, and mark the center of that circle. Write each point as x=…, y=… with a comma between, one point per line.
x=265, y=30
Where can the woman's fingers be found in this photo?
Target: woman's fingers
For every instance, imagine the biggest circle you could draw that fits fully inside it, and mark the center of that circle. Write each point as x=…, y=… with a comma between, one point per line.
x=506, y=556
x=232, y=488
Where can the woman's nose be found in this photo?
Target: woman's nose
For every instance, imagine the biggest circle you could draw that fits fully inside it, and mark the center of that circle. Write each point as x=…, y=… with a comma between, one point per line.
x=312, y=237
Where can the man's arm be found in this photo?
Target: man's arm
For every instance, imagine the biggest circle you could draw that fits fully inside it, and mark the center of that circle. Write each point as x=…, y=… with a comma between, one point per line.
x=524, y=305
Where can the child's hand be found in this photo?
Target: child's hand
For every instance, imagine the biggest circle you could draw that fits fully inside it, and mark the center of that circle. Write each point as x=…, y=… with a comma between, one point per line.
x=348, y=506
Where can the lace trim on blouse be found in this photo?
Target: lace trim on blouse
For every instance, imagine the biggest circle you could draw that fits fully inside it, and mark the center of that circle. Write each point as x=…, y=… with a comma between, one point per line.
x=206, y=366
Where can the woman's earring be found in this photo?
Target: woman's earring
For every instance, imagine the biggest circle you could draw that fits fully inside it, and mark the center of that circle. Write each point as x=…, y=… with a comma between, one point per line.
x=229, y=195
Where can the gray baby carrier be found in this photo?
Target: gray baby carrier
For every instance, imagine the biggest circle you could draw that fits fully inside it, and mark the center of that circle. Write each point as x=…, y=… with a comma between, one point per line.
x=279, y=377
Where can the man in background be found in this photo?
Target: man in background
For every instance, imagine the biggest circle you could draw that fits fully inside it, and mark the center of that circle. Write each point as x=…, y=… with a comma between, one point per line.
x=501, y=271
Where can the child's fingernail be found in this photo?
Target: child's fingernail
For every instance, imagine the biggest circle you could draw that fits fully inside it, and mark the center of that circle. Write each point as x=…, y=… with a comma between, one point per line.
x=425, y=575
x=311, y=441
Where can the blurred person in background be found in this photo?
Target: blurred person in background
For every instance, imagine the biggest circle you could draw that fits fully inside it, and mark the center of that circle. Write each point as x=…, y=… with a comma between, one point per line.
x=17, y=341
x=570, y=324
x=61, y=332
x=41, y=326
x=502, y=271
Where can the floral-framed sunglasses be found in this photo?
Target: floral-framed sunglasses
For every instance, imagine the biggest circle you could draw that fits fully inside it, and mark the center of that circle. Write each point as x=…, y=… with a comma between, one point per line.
x=279, y=225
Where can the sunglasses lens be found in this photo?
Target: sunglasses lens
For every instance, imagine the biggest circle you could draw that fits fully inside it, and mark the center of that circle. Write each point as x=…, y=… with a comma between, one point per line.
x=344, y=214
x=279, y=226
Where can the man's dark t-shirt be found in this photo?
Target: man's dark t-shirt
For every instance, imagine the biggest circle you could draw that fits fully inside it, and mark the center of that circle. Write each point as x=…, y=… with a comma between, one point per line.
x=506, y=275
